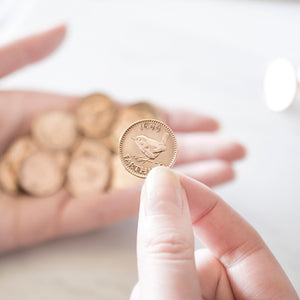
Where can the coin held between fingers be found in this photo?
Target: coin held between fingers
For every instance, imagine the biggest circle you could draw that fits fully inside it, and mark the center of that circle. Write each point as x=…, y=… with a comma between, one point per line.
x=146, y=144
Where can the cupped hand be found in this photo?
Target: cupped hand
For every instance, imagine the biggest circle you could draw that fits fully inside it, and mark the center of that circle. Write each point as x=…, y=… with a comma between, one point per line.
x=236, y=265
x=26, y=220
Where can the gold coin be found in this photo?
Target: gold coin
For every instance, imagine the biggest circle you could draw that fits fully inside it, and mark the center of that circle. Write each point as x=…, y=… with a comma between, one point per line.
x=146, y=144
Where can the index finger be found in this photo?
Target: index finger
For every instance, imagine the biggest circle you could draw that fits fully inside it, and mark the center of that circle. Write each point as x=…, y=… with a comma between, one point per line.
x=181, y=120
x=30, y=49
x=237, y=245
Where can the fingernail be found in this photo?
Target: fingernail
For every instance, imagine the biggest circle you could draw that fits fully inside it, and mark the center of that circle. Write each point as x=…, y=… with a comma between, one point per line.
x=163, y=192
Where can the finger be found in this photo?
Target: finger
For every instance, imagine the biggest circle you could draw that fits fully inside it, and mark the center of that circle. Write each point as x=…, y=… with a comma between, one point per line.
x=29, y=50
x=40, y=102
x=210, y=172
x=196, y=146
x=237, y=245
x=165, y=244
x=212, y=277
x=186, y=121
x=135, y=294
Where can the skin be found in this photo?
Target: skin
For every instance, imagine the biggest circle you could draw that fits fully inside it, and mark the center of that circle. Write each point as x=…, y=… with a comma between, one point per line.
x=26, y=220
x=237, y=264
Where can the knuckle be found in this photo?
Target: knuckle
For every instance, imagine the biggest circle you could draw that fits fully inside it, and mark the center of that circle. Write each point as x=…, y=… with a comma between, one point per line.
x=169, y=245
x=240, y=252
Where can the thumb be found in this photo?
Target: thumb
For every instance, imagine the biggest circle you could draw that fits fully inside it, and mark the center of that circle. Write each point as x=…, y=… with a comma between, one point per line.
x=165, y=243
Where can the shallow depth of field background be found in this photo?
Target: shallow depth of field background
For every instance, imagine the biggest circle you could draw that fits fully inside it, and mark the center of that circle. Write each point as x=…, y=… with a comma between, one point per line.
x=207, y=56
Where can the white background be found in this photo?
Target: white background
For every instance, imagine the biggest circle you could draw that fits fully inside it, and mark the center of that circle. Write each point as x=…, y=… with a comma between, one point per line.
x=203, y=55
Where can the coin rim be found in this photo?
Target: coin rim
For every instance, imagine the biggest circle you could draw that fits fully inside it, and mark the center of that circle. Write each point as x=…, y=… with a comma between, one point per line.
x=121, y=141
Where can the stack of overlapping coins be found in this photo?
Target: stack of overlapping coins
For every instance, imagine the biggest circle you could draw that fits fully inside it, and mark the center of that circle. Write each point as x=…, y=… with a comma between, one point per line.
x=77, y=150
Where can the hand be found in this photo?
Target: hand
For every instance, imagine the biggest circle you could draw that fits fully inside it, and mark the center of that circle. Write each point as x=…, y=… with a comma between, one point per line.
x=26, y=220
x=238, y=264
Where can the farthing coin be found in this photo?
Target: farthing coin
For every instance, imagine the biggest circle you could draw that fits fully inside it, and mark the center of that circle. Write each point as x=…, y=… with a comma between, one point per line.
x=40, y=174
x=146, y=144
x=54, y=130
x=95, y=115
x=87, y=175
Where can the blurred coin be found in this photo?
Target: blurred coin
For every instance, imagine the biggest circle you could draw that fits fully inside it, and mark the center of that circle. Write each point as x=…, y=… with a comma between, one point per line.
x=145, y=109
x=87, y=175
x=130, y=114
x=92, y=148
x=11, y=161
x=8, y=178
x=21, y=148
x=146, y=144
x=95, y=115
x=62, y=158
x=54, y=130
x=120, y=178
x=40, y=174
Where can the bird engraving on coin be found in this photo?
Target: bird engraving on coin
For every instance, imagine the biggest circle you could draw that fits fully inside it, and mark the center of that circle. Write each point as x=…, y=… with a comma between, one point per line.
x=146, y=144
x=150, y=147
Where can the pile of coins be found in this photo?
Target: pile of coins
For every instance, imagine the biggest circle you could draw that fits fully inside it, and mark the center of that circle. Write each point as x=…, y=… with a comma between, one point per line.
x=77, y=150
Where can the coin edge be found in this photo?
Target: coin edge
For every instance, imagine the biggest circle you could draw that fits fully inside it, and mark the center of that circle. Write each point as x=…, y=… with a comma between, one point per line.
x=121, y=139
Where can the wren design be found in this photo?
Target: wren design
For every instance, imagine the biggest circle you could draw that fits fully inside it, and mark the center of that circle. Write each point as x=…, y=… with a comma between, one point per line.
x=150, y=147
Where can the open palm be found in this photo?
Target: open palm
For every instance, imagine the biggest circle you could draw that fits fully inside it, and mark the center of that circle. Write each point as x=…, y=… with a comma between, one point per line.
x=26, y=220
